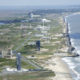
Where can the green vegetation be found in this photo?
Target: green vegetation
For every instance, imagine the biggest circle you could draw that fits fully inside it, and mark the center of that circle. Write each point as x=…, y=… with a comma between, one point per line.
x=12, y=63
x=16, y=36
x=41, y=75
x=28, y=49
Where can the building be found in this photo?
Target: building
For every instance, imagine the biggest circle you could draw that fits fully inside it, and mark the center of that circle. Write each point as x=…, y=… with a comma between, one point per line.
x=34, y=16
x=6, y=53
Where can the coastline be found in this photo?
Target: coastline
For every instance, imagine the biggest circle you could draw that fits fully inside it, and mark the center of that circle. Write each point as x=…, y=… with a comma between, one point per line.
x=71, y=65
x=60, y=68
x=76, y=50
x=70, y=41
x=58, y=64
x=68, y=61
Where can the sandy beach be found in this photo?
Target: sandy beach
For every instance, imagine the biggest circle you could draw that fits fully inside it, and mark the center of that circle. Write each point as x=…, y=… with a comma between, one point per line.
x=61, y=70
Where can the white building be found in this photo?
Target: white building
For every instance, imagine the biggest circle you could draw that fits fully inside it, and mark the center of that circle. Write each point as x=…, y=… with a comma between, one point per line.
x=35, y=16
x=46, y=20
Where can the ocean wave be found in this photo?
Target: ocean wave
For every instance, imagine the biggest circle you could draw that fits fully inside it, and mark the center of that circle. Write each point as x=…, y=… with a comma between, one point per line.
x=72, y=66
x=69, y=62
x=73, y=63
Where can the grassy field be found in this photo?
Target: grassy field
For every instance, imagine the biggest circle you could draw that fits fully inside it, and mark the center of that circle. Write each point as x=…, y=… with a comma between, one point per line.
x=14, y=34
x=41, y=75
x=12, y=63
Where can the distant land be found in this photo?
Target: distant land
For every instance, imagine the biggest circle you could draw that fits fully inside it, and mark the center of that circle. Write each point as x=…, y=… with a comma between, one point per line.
x=11, y=12
x=38, y=7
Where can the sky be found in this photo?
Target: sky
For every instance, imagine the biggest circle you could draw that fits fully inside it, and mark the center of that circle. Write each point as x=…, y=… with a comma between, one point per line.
x=38, y=2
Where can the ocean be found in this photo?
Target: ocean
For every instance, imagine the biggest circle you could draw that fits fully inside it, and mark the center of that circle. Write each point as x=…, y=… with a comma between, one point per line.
x=74, y=33
x=2, y=23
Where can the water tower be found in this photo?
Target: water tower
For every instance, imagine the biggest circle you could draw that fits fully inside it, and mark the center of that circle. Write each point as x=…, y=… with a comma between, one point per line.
x=38, y=45
x=18, y=61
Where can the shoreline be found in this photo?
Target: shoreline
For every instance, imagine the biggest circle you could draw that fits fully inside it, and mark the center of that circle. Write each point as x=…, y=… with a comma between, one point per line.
x=70, y=43
x=60, y=68
x=71, y=65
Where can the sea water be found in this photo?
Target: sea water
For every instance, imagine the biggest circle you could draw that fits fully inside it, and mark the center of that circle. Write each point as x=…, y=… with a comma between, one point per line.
x=74, y=32
x=2, y=23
